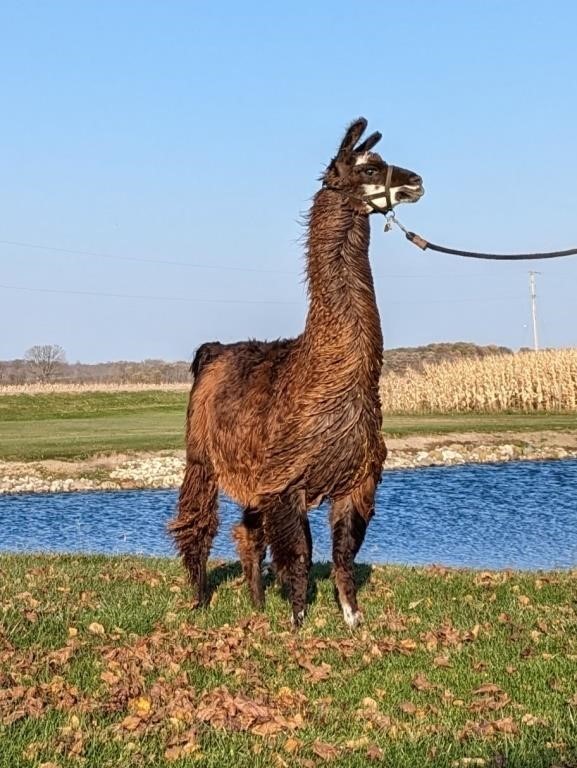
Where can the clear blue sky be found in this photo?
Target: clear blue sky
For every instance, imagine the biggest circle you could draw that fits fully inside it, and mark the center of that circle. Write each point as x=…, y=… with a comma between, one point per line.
x=195, y=133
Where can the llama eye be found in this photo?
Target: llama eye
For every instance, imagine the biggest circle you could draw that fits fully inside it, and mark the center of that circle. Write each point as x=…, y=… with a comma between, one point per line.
x=369, y=171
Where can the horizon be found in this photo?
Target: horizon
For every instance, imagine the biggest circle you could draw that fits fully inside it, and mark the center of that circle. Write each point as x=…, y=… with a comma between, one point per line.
x=160, y=161
x=386, y=349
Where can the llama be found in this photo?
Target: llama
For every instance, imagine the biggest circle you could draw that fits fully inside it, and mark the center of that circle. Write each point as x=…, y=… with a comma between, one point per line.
x=280, y=426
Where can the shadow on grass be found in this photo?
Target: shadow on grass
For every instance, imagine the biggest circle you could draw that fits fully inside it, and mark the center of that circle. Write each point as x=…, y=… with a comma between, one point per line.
x=322, y=572
x=224, y=571
x=221, y=572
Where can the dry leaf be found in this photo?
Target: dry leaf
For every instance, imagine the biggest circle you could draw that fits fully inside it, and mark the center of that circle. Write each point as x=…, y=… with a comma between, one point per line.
x=407, y=645
x=325, y=751
x=505, y=725
x=374, y=752
x=95, y=628
x=357, y=743
x=420, y=683
x=140, y=706
x=291, y=745
x=109, y=677
x=529, y=719
x=316, y=672
x=487, y=688
x=408, y=707
x=130, y=723
x=442, y=661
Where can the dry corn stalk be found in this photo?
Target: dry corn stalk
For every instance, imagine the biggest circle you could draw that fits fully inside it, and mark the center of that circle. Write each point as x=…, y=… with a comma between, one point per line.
x=523, y=382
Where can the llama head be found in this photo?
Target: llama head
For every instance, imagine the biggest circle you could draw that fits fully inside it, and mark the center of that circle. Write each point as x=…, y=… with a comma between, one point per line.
x=370, y=184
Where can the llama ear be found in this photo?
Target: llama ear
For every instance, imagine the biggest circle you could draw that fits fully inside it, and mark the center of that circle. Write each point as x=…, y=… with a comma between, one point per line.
x=353, y=134
x=369, y=142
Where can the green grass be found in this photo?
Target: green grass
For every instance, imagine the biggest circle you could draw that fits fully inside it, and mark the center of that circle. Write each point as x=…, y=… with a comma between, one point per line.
x=427, y=424
x=78, y=425
x=102, y=661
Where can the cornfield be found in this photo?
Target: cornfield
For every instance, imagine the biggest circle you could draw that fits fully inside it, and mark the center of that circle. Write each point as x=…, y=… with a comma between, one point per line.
x=523, y=382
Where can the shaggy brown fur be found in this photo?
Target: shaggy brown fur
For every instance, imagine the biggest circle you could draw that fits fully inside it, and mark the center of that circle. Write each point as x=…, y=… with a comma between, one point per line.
x=281, y=425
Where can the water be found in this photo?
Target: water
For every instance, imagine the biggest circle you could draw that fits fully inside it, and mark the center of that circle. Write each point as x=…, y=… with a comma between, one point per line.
x=515, y=515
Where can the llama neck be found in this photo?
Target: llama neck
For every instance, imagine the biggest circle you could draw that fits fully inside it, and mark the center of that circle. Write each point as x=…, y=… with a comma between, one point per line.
x=343, y=324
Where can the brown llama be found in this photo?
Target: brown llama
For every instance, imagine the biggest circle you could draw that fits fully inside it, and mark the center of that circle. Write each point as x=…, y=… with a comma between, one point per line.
x=281, y=425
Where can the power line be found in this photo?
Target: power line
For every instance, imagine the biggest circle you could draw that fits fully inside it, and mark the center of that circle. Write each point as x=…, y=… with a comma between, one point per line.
x=199, y=265
x=147, y=297
x=172, y=262
x=188, y=299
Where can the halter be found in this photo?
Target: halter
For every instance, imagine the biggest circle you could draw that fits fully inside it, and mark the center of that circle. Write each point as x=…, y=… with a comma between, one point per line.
x=368, y=199
x=376, y=195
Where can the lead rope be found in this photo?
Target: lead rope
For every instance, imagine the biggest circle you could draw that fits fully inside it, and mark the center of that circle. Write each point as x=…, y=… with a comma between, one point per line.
x=424, y=245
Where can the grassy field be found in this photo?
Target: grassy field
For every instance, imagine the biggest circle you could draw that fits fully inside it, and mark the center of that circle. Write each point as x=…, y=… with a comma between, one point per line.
x=102, y=662
x=78, y=425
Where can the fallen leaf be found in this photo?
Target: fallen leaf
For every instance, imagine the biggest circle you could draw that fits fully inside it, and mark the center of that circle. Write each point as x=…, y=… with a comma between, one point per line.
x=487, y=688
x=173, y=753
x=109, y=677
x=407, y=645
x=95, y=628
x=374, y=752
x=316, y=672
x=141, y=706
x=130, y=723
x=291, y=745
x=357, y=743
x=325, y=751
x=441, y=661
x=420, y=683
x=505, y=725
x=408, y=707
x=529, y=719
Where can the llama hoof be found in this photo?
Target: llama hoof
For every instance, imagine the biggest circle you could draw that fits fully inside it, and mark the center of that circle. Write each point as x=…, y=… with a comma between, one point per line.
x=352, y=618
x=297, y=619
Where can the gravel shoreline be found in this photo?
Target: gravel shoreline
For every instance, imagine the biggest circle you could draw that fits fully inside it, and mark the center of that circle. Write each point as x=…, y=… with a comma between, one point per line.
x=165, y=469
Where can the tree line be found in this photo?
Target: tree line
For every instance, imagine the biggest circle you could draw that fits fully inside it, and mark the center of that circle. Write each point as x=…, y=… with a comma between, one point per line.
x=47, y=363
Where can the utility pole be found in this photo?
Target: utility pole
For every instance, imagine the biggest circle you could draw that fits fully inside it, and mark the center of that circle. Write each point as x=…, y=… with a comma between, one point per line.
x=534, y=308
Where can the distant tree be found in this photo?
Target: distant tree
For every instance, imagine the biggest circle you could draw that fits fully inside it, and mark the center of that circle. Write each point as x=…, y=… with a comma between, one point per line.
x=47, y=359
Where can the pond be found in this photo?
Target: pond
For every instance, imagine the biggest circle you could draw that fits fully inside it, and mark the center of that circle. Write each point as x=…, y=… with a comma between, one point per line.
x=514, y=515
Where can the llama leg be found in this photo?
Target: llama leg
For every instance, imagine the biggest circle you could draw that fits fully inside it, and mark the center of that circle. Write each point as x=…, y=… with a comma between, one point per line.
x=251, y=548
x=196, y=522
x=288, y=533
x=350, y=516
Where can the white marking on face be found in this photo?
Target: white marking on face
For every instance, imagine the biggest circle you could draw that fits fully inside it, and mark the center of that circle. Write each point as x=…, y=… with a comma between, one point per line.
x=352, y=618
x=381, y=200
x=362, y=159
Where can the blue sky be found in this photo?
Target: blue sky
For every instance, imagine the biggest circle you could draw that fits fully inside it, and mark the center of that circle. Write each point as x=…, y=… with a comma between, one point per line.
x=153, y=137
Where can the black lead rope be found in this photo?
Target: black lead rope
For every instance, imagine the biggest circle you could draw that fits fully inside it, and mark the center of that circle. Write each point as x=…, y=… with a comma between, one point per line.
x=424, y=245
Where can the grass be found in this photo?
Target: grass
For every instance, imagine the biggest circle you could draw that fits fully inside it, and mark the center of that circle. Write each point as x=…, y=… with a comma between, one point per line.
x=101, y=661
x=78, y=425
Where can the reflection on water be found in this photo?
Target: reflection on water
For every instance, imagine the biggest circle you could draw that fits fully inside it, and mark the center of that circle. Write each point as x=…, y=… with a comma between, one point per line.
x=518, y=515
